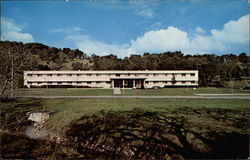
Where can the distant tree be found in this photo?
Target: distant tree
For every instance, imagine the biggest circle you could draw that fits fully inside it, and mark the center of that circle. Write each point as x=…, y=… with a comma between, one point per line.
x=77, y=66
x=243, y=58
x=43, y=67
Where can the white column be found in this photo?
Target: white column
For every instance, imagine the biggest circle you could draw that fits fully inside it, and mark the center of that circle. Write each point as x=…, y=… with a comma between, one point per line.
x=123, y=83
x=133, y=83
x=112, y=84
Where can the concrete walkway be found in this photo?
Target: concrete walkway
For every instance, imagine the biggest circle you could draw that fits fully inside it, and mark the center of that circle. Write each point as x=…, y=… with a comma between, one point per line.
x=143, y=97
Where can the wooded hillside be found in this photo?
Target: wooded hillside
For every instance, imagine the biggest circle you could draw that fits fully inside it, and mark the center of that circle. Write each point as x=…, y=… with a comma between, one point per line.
x=37, y=56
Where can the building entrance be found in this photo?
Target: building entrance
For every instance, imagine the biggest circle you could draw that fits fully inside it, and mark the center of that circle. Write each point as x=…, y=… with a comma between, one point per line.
x=128, y=83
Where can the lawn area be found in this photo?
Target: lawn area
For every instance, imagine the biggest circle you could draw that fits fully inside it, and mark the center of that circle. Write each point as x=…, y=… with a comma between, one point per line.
x=66, y=110
x=100, y=92
x=207, y=125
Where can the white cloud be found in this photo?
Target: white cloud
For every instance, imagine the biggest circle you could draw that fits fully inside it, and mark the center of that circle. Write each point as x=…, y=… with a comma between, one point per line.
x=200, y=30
x=13, y=32
x=143, y=9
x=156, y=25
x=172, y=39
x=66, y=30
x=161, y=40
x=84, y=43
x=233, y=31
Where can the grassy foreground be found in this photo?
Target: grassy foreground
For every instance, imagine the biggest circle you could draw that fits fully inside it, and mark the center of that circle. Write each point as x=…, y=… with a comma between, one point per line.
x=66, y=110
x=100, y=92
x=130, y=128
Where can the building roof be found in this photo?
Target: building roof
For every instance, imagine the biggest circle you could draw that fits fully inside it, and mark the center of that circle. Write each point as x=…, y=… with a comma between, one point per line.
x=110, y=71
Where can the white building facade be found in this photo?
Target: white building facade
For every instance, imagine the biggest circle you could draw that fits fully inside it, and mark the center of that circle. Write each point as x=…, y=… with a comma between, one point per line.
x=112, y=79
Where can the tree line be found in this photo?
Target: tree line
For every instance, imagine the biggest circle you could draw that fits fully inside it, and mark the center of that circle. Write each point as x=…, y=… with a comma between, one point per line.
x=36, y=56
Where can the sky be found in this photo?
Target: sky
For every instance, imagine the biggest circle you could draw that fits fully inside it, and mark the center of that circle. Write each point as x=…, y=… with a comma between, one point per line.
x=125, y=27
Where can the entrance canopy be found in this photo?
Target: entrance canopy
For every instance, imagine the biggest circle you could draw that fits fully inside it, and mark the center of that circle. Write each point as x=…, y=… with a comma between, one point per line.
x=128, y=82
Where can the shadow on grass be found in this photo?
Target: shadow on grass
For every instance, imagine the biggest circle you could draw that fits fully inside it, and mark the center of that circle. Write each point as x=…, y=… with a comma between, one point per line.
x=184, y=133
x=157, y=135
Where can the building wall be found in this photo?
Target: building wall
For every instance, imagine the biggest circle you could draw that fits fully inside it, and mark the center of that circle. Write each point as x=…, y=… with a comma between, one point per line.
x=104, y=79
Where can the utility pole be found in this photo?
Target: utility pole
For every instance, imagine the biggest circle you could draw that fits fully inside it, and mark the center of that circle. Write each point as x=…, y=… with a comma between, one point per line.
x=231, y=86
x=12, y=74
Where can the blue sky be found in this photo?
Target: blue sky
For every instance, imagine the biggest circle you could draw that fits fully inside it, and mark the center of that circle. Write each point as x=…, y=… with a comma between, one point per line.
x=130, y=27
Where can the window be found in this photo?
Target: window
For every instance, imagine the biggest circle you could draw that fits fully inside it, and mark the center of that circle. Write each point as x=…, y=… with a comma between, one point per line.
x=88, y=74
x=155, y=74
x=146, y=74
x=183, y=82
x=77, y=75
x=29, y=82
x=155, y=82
x=166, y=74
x=136, y=75
x=58, y=75
x=49, y=82
x=78, y=82
x=88, y=82
x=29, y=75
x=192, y=82
x=183, y=74
x=69, y=82
x=117, y=75
x=98, y=82
x=59, y=82
x=146, y=82
x=192, y=74
x=49, y=75
x=69, y=75
x=97, y=75
x=129, y=74
x=166, y=82
x=108, y=82
x=39, y=75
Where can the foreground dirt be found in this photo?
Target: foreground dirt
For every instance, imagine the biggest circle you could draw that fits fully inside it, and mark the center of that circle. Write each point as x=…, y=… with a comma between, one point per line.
x=147, y=135
x=184, y=133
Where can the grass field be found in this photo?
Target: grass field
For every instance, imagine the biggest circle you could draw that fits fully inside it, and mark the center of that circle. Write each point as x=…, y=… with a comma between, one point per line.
x=100, y=92
x=138, y=119
x=66, y=110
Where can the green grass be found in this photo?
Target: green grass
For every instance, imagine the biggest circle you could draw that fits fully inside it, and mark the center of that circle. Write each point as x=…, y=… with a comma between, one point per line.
x=66, y=110
x=212, y=90
x=237, y=84
x=99, y=92
x=178, y=117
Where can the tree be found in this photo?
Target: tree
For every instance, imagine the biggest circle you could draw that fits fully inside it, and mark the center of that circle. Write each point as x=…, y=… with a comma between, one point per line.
x=243, y=58
x=77, y=66
x=13, y=60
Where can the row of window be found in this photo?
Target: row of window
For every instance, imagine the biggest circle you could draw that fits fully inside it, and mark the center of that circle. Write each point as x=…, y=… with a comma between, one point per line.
x=107, y=82
x=166, y=82
x=117, y=75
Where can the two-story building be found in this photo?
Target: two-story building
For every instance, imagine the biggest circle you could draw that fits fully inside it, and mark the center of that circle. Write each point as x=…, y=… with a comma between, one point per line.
x=112, y=79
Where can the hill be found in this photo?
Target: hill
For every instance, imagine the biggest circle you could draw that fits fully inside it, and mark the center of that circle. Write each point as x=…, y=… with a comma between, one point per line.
x=214, y=70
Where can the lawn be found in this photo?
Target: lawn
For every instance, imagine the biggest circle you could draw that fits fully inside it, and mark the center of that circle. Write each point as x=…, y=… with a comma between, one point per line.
x=100, y=92
x=214, y=128
x=66, y=110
